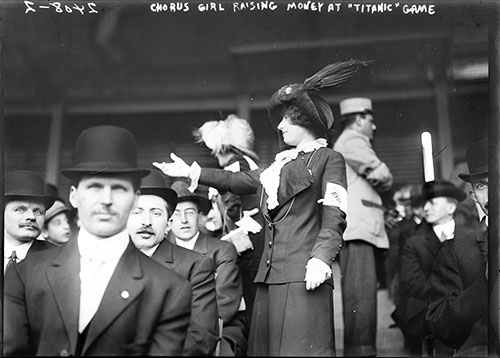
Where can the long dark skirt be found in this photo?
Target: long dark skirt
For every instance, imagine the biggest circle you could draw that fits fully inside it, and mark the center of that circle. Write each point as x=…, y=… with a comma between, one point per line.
x=288, y=320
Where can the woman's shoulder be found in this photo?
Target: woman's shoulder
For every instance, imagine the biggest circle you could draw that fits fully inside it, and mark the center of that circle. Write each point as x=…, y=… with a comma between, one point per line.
x=330, y=153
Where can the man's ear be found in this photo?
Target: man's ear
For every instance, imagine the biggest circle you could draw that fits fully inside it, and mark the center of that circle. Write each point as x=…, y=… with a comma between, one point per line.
x=472, y=194
x=169, y=226
x=72, y=197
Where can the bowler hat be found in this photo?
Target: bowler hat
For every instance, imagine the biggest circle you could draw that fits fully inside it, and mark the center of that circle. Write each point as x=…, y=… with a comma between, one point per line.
x=435, y=189
x=105, y=150
x=355, y=105
x=183, y=194
x=154, y=184
x=477, y=160
x=25, y=185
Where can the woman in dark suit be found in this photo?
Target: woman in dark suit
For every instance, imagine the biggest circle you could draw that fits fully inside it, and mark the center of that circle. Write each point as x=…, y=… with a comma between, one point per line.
x=303, y=200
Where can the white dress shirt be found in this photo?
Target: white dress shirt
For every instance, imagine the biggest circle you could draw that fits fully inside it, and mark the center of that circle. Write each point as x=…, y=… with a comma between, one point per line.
x=21, y=252
x=98, y=260
x=188, y=244
x=149, y=252
x=445, y=231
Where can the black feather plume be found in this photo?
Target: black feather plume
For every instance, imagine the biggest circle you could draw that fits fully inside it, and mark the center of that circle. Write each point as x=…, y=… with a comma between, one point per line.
x=333, y=74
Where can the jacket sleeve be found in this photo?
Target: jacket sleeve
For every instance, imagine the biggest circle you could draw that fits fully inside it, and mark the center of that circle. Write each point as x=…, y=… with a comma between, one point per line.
x=173, y=321
x=239, y=183
x=453, y=308
x=413, y=278
x=202, y=333
x=333, y=221
x=16, y=328
x=228, y=282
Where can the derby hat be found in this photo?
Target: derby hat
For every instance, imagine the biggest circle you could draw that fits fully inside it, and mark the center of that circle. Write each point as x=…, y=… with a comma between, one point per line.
x=477, y=160
x=355, y=105
x=305, y=95
x=105, y=150
x=183, y=194
x=26, y=185
x=154, y=184
x=434, y=189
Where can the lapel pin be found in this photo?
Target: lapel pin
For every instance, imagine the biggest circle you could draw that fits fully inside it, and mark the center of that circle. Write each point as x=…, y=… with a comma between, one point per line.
x=125, y=295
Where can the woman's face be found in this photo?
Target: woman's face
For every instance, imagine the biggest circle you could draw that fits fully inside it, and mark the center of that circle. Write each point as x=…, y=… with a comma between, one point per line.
x=293, y=134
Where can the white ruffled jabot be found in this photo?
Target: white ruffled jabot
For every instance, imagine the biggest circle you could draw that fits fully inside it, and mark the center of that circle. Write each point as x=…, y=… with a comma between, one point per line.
x=270, y=178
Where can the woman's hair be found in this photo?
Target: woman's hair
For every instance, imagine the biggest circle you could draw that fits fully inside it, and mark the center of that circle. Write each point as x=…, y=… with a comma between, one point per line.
x=298, y=118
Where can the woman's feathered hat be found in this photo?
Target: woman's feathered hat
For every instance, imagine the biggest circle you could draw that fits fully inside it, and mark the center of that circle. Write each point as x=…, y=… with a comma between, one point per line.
x=230, y=133
x=305, y=95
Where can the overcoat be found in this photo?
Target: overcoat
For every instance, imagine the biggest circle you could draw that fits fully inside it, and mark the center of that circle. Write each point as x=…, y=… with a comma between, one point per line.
x=145, y=308
x=298, y=229
x=459, y=288
x=200, y=272
x=361, y=160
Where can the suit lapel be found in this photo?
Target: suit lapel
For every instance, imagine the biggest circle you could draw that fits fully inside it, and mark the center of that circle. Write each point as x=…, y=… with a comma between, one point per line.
x=201, y=245
x=123, y=288
x=64, y=280
x=294, y=178
x=164, y=252
x=432, y=242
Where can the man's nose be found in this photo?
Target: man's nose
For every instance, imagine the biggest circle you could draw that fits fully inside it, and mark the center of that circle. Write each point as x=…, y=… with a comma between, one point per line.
x=106, y=196
x=30, y=215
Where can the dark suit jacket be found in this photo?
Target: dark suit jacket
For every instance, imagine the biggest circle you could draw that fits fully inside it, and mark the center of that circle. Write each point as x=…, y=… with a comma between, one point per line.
x=145, y=308
x=459, y=289
x=200, y=272
x=227, y=283
x=417, y=259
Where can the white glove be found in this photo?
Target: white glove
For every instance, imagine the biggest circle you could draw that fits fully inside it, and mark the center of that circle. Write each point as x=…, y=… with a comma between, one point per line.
x=317, y=272
x=247, y=223
x=178, y=168
x=239, y=238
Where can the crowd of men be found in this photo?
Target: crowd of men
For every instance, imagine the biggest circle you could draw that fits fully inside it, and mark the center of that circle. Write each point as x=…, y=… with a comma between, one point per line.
x=150, y=269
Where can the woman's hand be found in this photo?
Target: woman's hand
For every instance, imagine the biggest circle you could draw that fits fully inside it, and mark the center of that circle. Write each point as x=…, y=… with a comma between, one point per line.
x=178, y=168
x=317, y=272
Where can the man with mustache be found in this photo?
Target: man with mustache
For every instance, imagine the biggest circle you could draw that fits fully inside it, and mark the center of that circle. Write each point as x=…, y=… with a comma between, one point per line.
x=25, y=203
x=148, y=227
x=97, y=295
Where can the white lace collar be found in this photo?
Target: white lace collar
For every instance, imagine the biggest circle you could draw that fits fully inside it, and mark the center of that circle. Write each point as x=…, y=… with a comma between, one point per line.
x=270, y=178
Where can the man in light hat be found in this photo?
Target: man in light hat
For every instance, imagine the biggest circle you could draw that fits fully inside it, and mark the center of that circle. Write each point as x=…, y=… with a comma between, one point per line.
x=458, y=302
x=98, y=294
x=57, y=226
x=441, y=199
x=25, y=203
x=185, y=232
x=231, y=141
x=367, y=175
x=148, y=227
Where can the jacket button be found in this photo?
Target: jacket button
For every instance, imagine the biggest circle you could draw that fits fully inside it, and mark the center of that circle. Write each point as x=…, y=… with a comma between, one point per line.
x=64, y=353
x=270, y=244
x=268, y=262
x=270, y=226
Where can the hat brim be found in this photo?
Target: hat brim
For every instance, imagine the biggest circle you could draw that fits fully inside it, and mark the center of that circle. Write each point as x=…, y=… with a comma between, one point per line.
x=468, y=177
x=47, y=200
x=75, y=172
x=63, y=209
x=204, y=205
x=169, y=195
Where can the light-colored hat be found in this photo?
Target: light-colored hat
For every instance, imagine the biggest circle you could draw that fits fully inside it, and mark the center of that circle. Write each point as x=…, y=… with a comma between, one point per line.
x=355, y=105
x=233, y=132
x=56, y=208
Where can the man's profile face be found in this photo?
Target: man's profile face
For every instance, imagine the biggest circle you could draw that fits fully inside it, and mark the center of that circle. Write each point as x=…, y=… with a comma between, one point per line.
x=365, y=125
x=147, y=223
x=184, y=220
x=479, y=191
x=23, y=220
x=439, y=210
x=104, y=203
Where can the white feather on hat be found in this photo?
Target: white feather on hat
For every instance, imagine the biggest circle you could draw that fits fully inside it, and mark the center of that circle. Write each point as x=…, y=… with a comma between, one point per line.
x=221, y=136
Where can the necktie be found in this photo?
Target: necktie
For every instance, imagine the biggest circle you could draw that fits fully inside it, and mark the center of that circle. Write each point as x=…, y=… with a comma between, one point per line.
x=12, y=259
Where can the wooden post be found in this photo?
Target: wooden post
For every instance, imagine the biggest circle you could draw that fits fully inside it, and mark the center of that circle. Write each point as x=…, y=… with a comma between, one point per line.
x=53, y=160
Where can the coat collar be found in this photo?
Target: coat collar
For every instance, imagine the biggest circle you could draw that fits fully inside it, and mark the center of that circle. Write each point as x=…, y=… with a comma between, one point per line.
x=432, y=242
x=164, y=252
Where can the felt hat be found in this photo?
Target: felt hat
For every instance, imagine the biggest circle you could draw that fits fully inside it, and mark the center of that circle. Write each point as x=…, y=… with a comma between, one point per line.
x=183, y=194
x=154, y=184
x=105, y=150
x=56, y=208
x=434, y=189
x=305, y=95
x=230, y=133
x=26, y=185
x=355, y=105
x=477, y=160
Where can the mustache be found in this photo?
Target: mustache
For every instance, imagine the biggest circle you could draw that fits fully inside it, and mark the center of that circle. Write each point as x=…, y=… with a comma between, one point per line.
x=104, y=212
x=31, y=225
x=146, y=230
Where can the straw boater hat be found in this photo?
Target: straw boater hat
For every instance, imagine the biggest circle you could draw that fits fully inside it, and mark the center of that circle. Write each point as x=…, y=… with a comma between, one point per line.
x=183, y=194
x=58, y=207
x=105, y=150
x=26, y=185
x=477, y=160
x=305, y=95
x=154, y=184
x=355, y=105
x=434, y=189
x=229, y=134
